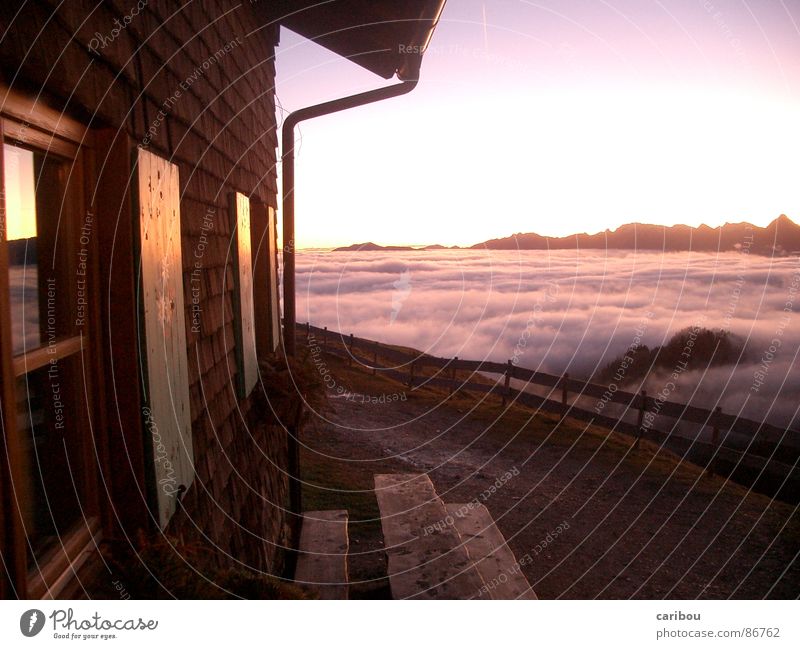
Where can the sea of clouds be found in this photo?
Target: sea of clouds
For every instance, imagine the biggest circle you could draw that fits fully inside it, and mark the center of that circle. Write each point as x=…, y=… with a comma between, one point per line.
x=572, y=311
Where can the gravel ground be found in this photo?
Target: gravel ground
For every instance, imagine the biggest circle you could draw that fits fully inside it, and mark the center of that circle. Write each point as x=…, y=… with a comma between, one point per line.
x=586, y=513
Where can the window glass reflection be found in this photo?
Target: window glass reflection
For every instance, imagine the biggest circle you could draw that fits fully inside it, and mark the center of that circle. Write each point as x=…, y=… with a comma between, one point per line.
x=50, y=420
x=22, y=236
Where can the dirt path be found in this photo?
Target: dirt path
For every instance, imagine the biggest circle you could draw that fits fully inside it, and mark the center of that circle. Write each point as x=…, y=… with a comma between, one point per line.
x=586, y=514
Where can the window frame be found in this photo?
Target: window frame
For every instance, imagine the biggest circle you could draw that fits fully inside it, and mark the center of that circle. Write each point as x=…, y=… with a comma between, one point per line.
x=26, y=122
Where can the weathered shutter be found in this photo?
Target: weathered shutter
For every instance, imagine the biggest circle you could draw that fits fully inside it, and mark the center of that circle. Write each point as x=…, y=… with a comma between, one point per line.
x=274, y=307
x=244, y=315
x=168, y=427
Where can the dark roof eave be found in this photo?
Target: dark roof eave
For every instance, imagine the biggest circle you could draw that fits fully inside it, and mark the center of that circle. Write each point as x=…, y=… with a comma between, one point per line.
x=386, y=37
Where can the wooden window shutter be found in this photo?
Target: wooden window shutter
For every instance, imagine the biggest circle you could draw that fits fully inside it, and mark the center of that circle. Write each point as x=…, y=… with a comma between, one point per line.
x=244, y=318
x=167, y=417
x=272, y=234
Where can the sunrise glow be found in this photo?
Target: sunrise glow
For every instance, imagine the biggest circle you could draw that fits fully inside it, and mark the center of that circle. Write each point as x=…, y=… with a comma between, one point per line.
x=19, y=193
x=555, y=118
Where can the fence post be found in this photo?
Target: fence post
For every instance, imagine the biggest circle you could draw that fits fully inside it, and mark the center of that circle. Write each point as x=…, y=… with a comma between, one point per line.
x=325, y=337
x=714, y=437
x=640, y=419
x=507, y=382
x=308, y=329
x=715, y=431
x=350, y=355
x=564, y=380
x=453, y=375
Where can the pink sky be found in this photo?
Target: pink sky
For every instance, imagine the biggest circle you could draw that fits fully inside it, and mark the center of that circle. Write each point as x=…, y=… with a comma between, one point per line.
x=557, y=117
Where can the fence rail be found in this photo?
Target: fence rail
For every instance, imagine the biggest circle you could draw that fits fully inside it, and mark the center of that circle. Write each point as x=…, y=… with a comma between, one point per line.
x=768, y=445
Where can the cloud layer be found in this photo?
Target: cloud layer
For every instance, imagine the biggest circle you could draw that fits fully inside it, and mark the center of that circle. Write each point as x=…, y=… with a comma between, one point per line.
x=570, y=311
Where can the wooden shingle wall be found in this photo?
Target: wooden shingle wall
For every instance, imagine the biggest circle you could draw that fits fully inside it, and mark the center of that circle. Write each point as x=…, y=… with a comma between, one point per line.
x=194, y=83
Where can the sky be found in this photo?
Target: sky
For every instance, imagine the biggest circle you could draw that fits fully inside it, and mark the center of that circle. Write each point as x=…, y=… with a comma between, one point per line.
x=556, y=117
x=19, y=188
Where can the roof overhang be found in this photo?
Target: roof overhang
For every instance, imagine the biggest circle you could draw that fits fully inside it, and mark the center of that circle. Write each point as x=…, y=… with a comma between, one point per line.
x=387, y=37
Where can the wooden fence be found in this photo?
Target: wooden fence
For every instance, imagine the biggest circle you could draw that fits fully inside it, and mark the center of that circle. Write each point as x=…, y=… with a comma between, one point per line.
x=768, y=461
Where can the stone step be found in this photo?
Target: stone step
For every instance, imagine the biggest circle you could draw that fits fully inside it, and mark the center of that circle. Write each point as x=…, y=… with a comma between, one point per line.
x=426, y=557
x=487, y=549
x=322, y=555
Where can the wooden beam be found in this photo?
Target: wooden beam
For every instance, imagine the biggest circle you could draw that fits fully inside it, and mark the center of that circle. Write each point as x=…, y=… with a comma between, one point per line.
x=322, y=555
x=59, y=568
x=41, y=356
x=30, y=111
x=12, y=537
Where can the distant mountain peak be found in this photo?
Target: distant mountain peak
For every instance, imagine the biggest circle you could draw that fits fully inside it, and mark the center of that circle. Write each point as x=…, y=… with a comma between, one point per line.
x=369, y=246
x=779, y=238
x=786, y=221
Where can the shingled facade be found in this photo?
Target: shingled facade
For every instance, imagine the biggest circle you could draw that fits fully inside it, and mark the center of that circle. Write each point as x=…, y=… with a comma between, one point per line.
x=193, y=84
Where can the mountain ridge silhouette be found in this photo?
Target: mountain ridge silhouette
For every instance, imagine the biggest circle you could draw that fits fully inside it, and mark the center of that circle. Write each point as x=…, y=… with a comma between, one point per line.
x=781, y=237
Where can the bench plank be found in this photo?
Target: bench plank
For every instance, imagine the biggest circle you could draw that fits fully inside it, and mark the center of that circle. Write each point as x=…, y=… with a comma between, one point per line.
x=426, y=557
x=487, y=548
x=322, y=555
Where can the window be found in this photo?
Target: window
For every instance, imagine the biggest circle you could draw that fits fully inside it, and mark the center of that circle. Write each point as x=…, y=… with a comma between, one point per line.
x=47, y=371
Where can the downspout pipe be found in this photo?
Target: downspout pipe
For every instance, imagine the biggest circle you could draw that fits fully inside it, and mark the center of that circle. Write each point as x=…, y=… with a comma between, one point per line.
x=287, y=161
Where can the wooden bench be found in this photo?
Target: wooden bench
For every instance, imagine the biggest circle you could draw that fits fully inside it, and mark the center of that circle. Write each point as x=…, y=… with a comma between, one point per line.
x=322, y=555
x=439, y=551
x=426, y=557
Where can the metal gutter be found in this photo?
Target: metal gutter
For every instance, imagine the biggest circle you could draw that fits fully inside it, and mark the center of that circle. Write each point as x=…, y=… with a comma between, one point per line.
x=287, y=161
